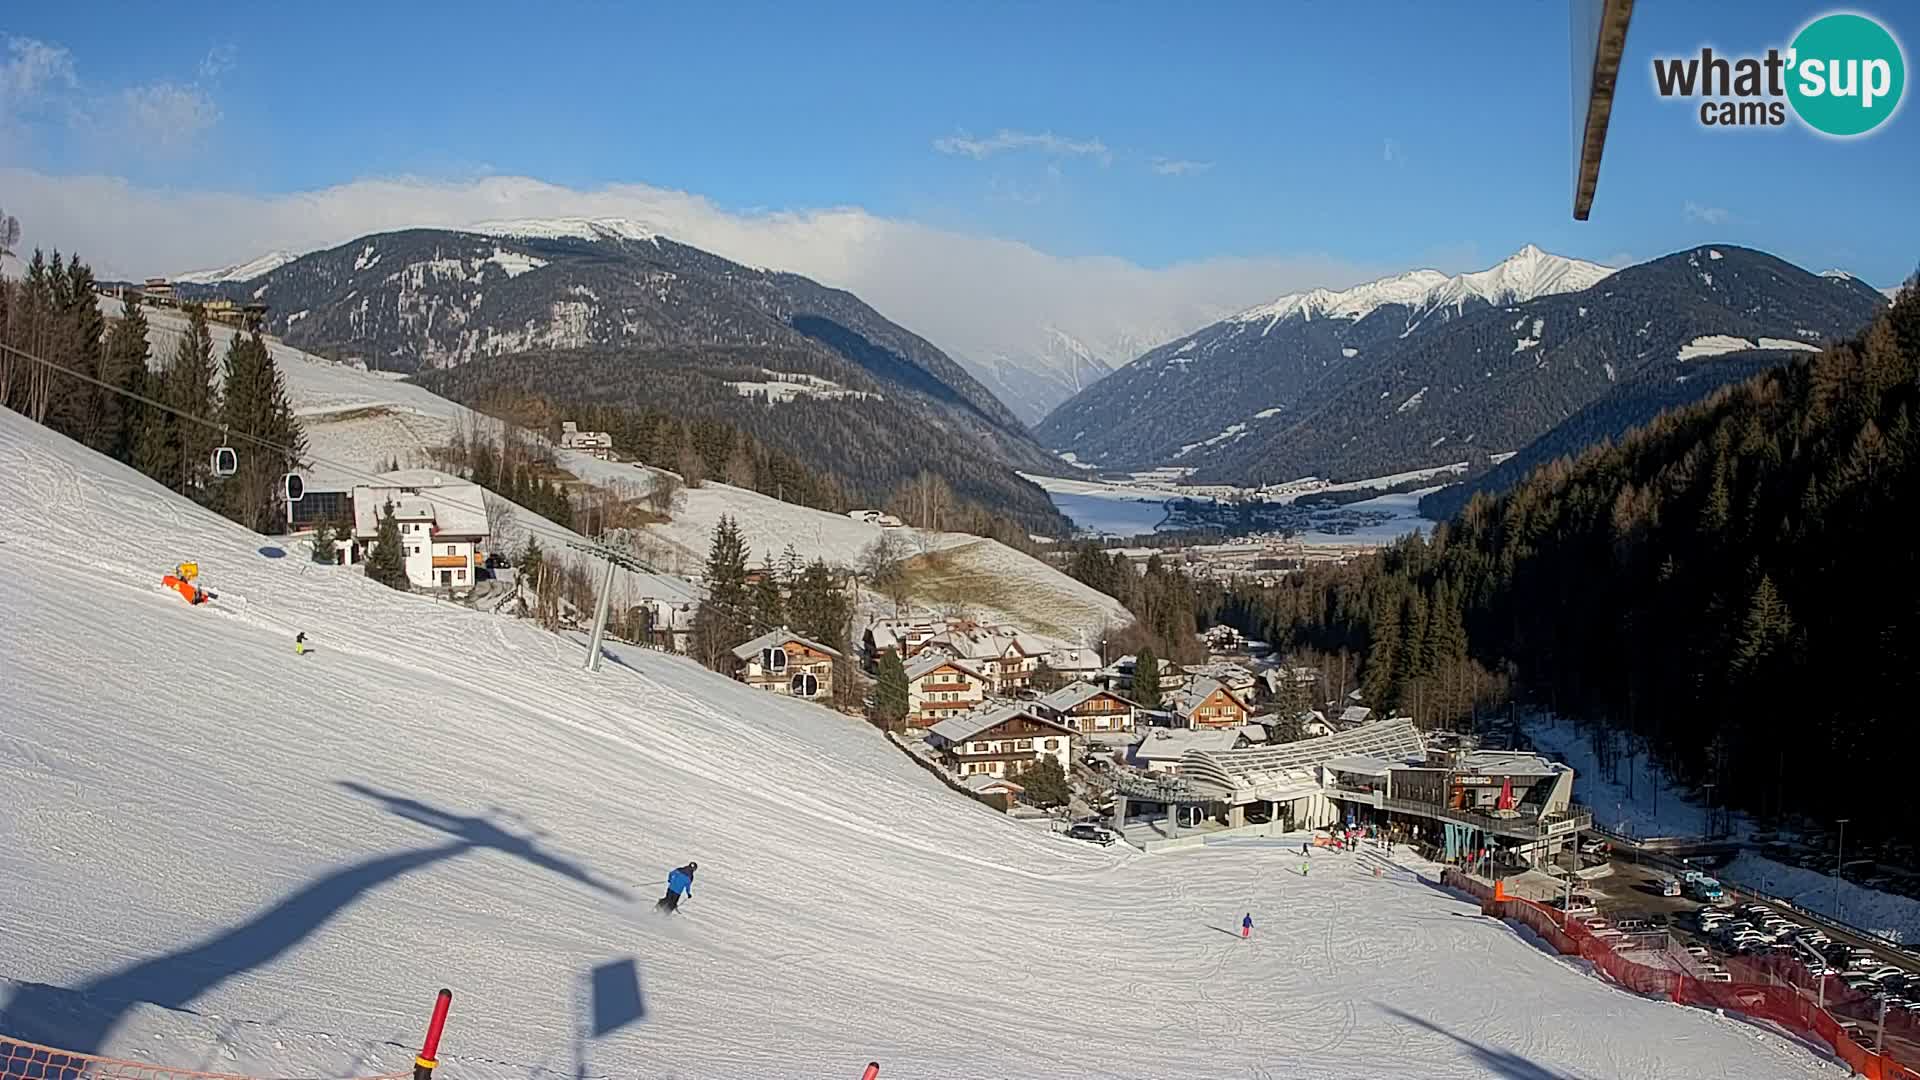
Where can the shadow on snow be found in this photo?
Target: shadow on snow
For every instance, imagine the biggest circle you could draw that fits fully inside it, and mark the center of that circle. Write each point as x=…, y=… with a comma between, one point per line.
x=81, y=1018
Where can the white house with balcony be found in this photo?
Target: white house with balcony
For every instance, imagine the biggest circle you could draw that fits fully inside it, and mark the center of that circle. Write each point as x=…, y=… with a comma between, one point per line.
x=1003, y=741
x=442, y=521
x=598, y=444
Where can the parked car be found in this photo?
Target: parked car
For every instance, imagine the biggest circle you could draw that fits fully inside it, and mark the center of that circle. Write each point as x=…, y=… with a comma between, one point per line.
x=1093, y=833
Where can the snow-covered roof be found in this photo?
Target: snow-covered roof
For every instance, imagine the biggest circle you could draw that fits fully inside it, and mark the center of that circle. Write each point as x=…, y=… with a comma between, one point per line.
x=1507, y=763
x=777, y=637
x=967, y=725
x=1074, y=659
x=977, y=643
x=1288, y=768
x=981, y=783
x=1074, y=694
x=456, y=507
x=1254, y=733
x=1355, y=714
x=928, y=662
x=1169, y=744
x=1361, y=764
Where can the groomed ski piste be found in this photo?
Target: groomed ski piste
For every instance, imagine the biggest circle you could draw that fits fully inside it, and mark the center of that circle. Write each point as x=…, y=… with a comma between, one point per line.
x=216, y=854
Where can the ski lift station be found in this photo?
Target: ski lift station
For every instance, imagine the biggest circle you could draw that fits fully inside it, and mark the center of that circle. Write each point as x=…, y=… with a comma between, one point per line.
x=1380, y=775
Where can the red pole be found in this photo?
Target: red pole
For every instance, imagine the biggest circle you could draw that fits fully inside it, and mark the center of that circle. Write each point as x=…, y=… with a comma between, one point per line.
x=423, y=1065
x=873, y=1070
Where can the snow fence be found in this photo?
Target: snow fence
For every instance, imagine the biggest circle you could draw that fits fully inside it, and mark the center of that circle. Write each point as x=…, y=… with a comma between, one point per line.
x=31, y=1061
x=1765, y=988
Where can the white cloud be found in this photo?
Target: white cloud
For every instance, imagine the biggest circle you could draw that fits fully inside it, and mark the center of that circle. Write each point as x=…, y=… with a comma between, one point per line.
x=164, y=116
x=220, y=60
x=1004, y=141
x=32, y=70
x=1179, y=167
x=1709, y=215
x=979, y=297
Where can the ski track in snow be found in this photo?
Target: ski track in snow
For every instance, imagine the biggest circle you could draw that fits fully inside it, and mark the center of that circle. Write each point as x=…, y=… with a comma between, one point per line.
x=257, y=862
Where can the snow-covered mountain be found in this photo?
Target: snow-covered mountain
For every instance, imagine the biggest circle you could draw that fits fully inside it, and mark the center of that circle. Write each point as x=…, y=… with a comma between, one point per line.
x=267, y=864
x=1417, y=370
x=1273, y=353
x=246, y=271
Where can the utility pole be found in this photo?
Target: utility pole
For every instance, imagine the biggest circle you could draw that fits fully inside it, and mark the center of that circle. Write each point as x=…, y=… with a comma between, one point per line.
x=1707, y=833
x=600, y=618
x=1838, y=859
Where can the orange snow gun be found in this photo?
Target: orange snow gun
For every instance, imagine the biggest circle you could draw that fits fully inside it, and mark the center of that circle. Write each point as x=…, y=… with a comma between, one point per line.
x=182, y=581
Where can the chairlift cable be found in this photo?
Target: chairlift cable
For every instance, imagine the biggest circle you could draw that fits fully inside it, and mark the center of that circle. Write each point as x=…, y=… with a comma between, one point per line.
x=572, y=540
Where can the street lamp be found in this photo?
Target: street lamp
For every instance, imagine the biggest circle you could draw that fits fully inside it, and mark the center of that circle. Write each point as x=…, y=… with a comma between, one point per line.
x=1839, y=857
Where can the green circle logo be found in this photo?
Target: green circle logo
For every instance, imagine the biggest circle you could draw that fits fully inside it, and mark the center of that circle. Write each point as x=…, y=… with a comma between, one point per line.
x=1847, y=74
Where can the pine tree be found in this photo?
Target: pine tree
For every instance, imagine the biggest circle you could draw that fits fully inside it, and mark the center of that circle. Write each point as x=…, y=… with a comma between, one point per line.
x=388, y=562
x=1045, y=782
x=323, y=544
x=819, y=608
x=255, y=405
x=890, y=698
x=724, y=620
x=189, y=389
x=1146, y=679
x=769, y=607
x=126, y=368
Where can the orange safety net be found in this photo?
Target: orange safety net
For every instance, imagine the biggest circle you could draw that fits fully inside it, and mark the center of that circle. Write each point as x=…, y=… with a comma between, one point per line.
x=31, y=1061
x=1772, y=988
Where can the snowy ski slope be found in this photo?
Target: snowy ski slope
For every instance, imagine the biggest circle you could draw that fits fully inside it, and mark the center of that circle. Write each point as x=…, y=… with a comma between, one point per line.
x=360, y=419
x=217, y=854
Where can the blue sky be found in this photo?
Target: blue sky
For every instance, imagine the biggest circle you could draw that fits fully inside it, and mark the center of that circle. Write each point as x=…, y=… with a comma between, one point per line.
x=1338, y=140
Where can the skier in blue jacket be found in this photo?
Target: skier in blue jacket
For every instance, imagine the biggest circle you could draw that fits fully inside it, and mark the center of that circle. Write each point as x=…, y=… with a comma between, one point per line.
x=679, y=883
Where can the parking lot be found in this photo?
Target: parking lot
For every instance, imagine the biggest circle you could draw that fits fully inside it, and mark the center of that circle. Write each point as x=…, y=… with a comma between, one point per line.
x=1747, y=927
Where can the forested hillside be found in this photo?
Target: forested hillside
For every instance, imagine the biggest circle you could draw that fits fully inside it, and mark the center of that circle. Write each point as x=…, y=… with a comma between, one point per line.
x=863, y=456
x=1732, y=589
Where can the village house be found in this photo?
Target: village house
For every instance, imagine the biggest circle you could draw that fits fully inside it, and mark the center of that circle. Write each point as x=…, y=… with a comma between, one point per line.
x=1208, y=704
x=1223, y=639
x=1007, y=657
x=904, y=636
x=1077, y=664
x=786, y=663
x=1003, y=741
x=597, y=444
x=1238, y=679
x=938, y=686
x=1088, y=709
x=996, y=791
x=442, y=520
x=1160, y=750
x=1118, y=676
x=1354, y=716
x=1313, y=724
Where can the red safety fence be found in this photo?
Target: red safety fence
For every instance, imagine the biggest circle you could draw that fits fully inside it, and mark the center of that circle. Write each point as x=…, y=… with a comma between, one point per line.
x=1764, y=988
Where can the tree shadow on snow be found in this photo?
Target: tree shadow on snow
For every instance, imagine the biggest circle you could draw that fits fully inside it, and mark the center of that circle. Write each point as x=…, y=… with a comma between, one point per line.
x=1503, y=1063
x=81, y=1018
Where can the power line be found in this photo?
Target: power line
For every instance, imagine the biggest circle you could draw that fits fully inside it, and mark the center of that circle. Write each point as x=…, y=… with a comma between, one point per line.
x=575, y=541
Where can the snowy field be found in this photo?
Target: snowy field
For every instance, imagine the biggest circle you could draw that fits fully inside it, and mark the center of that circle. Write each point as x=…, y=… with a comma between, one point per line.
x=220, y=855
x=1117, y=510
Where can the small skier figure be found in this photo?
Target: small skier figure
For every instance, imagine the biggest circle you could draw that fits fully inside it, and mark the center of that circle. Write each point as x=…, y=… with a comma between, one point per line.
x=300, y=643
x=1246, y=926
x=679, y=883
x=1303, y=869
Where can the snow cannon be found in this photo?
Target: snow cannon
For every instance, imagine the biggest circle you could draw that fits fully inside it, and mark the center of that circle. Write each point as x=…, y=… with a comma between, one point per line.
x=184, y=580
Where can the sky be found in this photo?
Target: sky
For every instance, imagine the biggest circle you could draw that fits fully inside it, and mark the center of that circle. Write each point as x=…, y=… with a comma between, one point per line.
x=1123, y=167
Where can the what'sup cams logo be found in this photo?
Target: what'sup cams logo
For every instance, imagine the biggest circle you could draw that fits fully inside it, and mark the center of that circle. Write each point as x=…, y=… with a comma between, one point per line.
x=1842, y=76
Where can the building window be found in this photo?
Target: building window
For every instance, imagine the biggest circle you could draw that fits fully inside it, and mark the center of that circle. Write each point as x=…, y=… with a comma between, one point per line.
x=1046, y=744
x=1023, y=744
x=460, y=575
